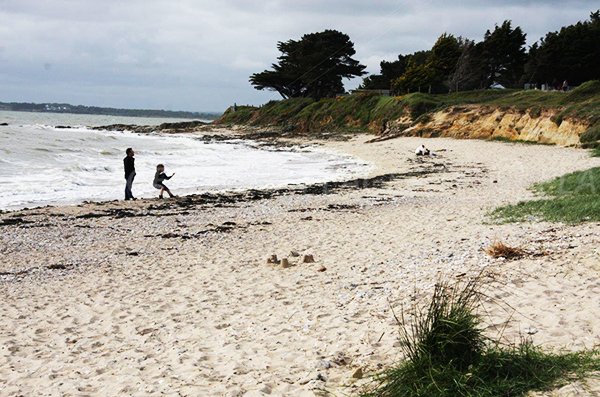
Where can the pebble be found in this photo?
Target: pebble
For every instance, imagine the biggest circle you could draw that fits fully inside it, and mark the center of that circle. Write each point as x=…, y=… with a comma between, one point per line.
x=325, y=364
x=531, y=330
x=358, y=374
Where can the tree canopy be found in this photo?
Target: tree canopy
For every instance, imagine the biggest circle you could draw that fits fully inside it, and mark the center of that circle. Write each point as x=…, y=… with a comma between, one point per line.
x=572, y=54
x=313, y=66
x=432, y=73
x=503, y=54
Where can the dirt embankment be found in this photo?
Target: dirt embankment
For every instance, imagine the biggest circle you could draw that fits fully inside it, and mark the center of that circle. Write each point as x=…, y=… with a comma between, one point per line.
x=492, y=122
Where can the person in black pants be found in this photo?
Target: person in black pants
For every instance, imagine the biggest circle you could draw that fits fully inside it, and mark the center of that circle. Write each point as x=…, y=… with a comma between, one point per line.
x=129, y=163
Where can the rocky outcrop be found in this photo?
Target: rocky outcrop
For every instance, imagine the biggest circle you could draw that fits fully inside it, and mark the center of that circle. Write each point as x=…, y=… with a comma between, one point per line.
x=490, y=122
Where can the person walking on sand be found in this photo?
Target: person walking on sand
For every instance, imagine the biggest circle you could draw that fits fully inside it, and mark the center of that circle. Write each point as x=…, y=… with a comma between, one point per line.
x=159, y=177
x=129, y=164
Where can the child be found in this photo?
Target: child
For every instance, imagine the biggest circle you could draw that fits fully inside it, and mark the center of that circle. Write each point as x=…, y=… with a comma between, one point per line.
x=159, y=177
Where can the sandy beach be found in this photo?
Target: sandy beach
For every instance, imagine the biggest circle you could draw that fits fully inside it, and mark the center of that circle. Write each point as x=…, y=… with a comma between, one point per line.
x=176, y=298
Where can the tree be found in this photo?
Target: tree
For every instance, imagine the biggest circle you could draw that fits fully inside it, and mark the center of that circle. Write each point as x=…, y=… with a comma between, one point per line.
x=430, y=71
x=503, y=52
x=311, y=67
x=468, y=73
x=389, y=72
x=572, y=54
x=443, y=59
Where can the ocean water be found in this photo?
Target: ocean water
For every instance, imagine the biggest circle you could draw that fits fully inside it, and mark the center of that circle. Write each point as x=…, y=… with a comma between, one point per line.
x=41, y=164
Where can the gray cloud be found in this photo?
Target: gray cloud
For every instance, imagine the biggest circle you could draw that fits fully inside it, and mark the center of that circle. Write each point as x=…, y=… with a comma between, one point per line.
x=198, y=55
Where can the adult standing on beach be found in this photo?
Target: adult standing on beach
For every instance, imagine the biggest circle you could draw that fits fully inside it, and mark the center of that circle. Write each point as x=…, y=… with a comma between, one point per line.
x=129, y=164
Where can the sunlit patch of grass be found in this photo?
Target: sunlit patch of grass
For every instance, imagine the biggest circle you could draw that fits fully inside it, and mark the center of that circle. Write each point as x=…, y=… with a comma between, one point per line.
x=573, y=198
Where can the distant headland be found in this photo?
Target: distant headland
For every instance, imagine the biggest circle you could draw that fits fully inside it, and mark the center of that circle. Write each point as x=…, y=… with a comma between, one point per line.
x=81, y=109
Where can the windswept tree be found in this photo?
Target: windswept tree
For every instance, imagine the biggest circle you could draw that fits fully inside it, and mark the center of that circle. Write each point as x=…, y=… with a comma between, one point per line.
x=468, y=73
x=504, y=55
x=431, y=74
x=313, y=66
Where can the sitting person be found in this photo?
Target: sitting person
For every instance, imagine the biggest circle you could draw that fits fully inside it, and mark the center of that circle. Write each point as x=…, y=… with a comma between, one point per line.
x=159, y=177
x=422, y=151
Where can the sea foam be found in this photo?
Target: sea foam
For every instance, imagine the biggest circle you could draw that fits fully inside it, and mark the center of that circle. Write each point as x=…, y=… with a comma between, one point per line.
x=46, y=165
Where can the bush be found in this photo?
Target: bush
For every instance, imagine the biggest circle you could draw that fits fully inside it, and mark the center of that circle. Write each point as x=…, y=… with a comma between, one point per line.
x=592, y=134
x=420, y=103
x=586, y=90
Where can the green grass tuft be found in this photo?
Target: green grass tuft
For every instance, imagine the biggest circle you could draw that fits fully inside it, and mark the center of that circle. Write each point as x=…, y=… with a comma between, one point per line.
x=446, y=355
x=574, y=198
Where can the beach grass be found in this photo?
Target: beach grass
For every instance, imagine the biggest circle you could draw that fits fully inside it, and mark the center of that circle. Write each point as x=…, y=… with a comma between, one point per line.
x=447, y=355
x=571, y=198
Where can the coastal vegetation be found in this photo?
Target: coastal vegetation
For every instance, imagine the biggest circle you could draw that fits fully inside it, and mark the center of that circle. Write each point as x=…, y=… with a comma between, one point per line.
x=570, y=56
x=311, y=67
x=455, y=73
x=446, y=354
x=571, y=198
x=315, y=65
x=371, y=112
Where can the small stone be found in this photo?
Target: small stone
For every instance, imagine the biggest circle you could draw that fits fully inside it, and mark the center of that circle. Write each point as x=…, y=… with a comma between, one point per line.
x=285, y=263
x=321, y=269
x=321, y=377
x=494, y=181
x=308, y=259
x=325, y=364
x=358, y=374
x=273, y=259
x=294, y=254
x=531, y=330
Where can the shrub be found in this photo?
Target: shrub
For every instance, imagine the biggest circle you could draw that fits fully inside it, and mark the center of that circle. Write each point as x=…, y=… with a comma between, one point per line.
x=592, y=134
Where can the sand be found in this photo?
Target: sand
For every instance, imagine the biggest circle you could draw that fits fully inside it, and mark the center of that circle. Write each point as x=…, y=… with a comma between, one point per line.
x=182, y=302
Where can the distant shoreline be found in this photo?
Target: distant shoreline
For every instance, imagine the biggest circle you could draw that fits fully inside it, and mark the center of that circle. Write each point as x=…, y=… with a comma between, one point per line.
x=64, y=108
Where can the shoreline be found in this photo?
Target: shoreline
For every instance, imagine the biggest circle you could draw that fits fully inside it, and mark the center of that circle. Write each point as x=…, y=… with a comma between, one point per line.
x=259, y=141
x=174, y=296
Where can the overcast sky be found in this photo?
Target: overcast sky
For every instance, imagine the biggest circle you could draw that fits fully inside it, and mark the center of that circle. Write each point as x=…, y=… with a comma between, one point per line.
x=197, y=55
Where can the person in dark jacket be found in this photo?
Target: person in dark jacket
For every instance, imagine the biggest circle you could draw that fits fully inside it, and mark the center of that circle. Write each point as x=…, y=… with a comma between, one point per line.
x=129, y=164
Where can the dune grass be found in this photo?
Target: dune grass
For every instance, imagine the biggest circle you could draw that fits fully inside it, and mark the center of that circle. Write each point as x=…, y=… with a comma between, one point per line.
x=447, y=355
x=571, y=198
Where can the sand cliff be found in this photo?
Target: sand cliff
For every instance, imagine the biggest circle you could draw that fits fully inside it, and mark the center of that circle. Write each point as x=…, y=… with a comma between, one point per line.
x=490, y=122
